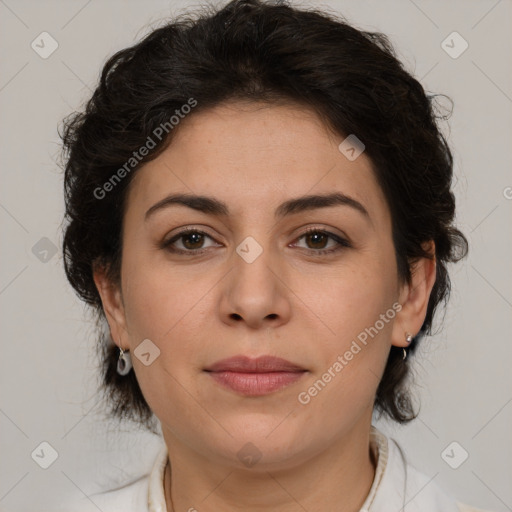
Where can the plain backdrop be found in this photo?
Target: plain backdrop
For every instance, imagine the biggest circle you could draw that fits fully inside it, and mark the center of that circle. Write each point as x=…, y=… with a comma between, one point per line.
x=48, y=375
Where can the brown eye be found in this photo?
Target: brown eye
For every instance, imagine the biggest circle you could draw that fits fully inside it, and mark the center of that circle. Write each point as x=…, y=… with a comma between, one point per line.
x=191, y=241
x=317, y=240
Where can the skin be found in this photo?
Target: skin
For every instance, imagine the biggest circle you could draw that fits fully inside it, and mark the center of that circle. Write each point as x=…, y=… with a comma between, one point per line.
x=289, y=302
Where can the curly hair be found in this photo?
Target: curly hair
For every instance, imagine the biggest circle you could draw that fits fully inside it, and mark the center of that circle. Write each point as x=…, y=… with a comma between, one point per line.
x=272, y=52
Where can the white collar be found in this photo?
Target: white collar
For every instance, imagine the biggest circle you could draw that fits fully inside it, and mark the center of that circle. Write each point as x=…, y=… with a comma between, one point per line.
x=396, y=486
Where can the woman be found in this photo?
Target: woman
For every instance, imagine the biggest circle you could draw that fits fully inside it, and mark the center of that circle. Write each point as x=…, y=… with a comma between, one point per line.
x=259, y=203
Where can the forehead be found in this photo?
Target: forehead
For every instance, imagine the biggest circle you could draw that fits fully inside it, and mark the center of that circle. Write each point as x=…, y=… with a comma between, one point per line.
x=252, y=155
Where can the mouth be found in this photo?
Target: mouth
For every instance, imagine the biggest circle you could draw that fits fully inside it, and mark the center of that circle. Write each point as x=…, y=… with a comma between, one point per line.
x=255, y=377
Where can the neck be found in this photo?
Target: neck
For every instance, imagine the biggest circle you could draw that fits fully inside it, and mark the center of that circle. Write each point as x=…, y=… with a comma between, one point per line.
x=339, y=479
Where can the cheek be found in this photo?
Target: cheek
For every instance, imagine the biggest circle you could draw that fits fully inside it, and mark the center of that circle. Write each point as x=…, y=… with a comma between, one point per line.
x=170, y=307
x=349, y=301
x=160, y=297
x=357, y=316
x=161, y=306
x=353, y=363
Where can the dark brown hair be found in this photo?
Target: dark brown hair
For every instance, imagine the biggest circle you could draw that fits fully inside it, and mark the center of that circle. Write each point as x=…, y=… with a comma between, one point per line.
x=272, y=52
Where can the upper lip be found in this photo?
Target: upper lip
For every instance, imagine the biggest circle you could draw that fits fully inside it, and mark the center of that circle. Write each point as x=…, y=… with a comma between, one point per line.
x=262, y=364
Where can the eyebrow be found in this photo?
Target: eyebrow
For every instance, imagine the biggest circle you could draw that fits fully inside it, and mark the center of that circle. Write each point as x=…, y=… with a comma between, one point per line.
x=212, y=206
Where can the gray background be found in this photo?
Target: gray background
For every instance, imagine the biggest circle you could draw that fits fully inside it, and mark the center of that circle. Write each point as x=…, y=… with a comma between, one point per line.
x=48, y=373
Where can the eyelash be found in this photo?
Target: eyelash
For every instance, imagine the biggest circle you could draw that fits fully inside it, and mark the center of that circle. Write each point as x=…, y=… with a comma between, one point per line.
x=342, y=243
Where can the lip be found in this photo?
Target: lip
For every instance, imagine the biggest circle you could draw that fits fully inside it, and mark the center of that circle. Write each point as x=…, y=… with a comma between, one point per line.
x=255, y=377
x=262, y=364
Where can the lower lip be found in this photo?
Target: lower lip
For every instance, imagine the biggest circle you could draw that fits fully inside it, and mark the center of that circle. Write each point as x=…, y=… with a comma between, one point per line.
x=256, y=384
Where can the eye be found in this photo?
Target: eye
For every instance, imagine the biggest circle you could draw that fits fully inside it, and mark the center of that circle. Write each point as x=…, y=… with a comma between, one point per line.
x=318, y=238
x=192, y=241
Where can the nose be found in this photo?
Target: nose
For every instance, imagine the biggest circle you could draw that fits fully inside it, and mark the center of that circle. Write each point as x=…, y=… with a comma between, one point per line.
x=256, y=294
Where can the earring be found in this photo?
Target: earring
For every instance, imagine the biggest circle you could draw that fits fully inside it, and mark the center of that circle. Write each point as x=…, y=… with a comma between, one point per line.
x=408, y=339
x=124, y=363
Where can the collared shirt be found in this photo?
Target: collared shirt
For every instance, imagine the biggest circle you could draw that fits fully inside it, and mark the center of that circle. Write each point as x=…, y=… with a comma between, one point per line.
x=397, y=486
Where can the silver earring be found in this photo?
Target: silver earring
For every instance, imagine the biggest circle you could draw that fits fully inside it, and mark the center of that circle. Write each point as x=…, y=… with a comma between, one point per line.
x=408, y=339
x=124, y=363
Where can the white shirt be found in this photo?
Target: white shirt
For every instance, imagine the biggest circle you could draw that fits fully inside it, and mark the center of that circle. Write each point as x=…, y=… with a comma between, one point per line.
x=397, y=486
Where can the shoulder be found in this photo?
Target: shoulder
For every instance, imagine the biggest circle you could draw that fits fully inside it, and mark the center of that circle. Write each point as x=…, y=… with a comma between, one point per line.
x=405, y=487
x=131, y=497
x=420, y=491
x=142, y=494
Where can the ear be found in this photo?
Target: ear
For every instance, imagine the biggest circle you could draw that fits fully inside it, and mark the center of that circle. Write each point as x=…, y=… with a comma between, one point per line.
x=414, y=298
x=112, y=301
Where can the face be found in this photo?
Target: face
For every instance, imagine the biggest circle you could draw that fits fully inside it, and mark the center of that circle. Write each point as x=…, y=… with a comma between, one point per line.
x=248, y=279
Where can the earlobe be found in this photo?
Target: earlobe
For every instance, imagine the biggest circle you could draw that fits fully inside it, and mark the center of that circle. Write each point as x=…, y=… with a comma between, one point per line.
x=112, y=303
x=415, y=297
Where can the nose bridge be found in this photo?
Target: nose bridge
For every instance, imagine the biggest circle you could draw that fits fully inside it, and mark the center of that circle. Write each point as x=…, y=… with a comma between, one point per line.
x=253, y=268
x=254, y=289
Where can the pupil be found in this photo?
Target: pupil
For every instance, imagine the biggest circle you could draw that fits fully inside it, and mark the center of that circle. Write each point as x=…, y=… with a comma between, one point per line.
x=315, y=235
x=198, y=238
